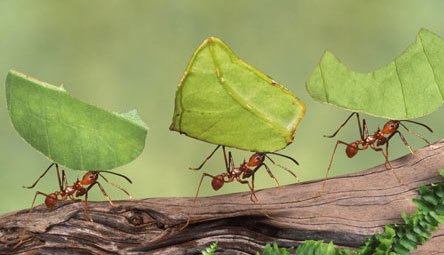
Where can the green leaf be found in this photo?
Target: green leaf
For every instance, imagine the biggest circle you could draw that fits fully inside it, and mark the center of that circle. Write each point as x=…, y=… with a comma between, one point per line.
x=71, y=132
x=409, y=87
x=401, y=249
x=440, y=209
x=422, y=205
x=422, y=232
x=438, y=189
x=408, y=244
x=223, y=100
x=437, y=217
x=210, y=250
x=429, y=218
x=412, y=237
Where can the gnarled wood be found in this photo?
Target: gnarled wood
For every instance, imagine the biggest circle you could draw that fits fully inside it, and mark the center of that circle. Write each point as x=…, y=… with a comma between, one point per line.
x=352, y=209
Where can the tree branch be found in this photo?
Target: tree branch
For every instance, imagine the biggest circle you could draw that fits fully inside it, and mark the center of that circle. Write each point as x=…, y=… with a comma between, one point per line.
x=353, y=208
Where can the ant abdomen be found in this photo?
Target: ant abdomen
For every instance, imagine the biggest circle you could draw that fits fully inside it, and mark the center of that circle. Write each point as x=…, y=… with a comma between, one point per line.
x=51, y=200
x=217, y=182
x=351, y=150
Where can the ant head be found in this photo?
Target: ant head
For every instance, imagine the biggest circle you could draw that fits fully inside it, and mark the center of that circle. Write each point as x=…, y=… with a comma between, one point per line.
x=217, y=182
x=90, y=178
x=390, y=127
x=256, y=159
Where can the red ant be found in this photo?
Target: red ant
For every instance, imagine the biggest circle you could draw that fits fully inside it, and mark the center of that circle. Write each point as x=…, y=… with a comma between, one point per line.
x=71, y=192
x=244, y=171
x=390, y=128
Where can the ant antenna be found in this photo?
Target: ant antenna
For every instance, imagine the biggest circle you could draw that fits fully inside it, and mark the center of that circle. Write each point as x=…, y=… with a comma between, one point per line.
x=121, y=175
x=413, y=133
x=117, y=186
x=283, y=167
x=417, y=123
x=285, y=156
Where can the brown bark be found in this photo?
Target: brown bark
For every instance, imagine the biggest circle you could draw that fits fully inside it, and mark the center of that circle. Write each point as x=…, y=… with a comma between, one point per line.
x=352, y=209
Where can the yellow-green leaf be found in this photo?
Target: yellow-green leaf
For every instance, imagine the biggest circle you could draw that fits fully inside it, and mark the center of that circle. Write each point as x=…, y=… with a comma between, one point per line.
x=223, y=100
x=409, y=87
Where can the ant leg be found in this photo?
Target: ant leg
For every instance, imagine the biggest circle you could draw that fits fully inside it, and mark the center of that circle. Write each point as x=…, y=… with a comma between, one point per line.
x=104, y=194
x=387, y=164
x=386, y=155
x=22, y=235
x=64, y=180
x=230, y=157
x=342, y=125
x=257, y=200
x=271, y=175
x=415, y=134
x=402, y=139
x=117, y=186
x=252, y=188
x=225, y=159
x=195, y=199
x=253, y=194
x=283, y=167
x=206, y=159
x=84, y=205
x=60, y=179
x=328, y=169
x=41, y=176
x=365, y=130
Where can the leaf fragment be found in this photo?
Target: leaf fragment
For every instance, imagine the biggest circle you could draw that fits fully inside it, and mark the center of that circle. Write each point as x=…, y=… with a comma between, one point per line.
x=409, y=87
x=223, y=100
x=68, y=131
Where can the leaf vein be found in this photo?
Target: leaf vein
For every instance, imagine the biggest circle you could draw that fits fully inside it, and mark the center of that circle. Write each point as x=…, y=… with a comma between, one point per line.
x=236, y=97
x=46, y=129
x=431, y=67
x=324, y=83
x=402, y=88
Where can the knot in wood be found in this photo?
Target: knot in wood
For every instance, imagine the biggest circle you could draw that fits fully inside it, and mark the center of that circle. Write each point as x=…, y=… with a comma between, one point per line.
x=136, y=220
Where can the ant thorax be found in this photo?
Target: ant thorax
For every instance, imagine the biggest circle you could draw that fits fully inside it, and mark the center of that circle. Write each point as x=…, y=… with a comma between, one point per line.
x=371, y=139
x=239, y=171
x=70, y=189
x=247, y=173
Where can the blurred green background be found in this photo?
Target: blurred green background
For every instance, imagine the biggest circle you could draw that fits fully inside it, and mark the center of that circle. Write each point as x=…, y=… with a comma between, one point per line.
x=121, y=55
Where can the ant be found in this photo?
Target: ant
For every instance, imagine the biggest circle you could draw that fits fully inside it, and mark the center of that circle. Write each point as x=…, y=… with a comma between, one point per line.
x=71, y=192
x=373, y=141
x=244, y=171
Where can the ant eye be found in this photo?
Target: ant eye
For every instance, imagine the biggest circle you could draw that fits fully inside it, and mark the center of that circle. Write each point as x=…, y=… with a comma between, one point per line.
x=258, y=158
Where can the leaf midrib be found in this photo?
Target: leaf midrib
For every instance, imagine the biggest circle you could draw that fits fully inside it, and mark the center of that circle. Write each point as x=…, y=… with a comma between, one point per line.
x=238, y=99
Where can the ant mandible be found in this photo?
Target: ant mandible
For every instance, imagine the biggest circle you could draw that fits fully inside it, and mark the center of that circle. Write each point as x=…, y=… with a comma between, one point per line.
x=373, y=141
x=71, y=192
x=244, y=171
